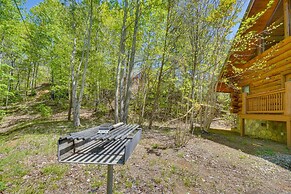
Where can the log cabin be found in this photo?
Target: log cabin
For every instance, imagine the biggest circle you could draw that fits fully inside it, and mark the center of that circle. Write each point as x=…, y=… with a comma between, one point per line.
x=258, y=77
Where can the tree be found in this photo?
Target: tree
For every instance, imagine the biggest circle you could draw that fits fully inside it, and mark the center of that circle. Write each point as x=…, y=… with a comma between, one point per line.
x=121, y=63
x=163, y=60
x=77, y=96
x=153, y=61
x=125, y=66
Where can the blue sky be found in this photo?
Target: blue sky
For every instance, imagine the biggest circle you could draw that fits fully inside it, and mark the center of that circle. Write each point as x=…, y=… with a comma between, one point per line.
x=241, y=15
x=30, y=3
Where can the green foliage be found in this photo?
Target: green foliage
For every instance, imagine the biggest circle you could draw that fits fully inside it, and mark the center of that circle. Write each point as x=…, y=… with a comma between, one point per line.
x=102, y=108
x=128, y=184
x=5, y=77
x=190, y=181
x=45, y=111
x=155, y=146
x=174, y=169
x=59, y=92
x=97, y=183
x=2, y=186
x=2, y=114
x=39, y=50
x=56, y=170
x=265, y=152
x=33, y=92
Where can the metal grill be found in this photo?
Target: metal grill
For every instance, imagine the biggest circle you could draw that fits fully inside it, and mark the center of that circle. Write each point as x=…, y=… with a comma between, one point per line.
x=104, y=144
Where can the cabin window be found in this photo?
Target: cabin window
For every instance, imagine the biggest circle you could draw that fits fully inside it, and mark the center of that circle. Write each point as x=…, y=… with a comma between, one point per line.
x=246, y=89
x=288, y=77
x=285, y=77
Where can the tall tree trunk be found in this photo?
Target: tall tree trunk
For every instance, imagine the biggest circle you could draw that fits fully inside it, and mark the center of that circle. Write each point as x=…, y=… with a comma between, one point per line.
x=157, y=94
x=17, y=85
x=210, y=110
x=73, y=100
x=32, y=77
x=52, y=77
x=35, y=75
x=86, y=61
x=73, y=97
x=27, y=82
x=120, y=62
x=77, y=99
x=131, y=63
x=2, y=44
x=143, y=102
x=9, y=84
x=70, y=103
x=71, y=81
x=122, y=87
x=194, y=46
x=144, y=82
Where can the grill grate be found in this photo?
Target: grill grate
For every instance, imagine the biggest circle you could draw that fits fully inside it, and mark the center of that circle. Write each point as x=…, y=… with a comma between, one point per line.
x=104, y=144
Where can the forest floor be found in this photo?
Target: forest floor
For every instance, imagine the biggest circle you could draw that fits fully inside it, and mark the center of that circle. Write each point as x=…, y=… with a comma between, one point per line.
x=218, y=162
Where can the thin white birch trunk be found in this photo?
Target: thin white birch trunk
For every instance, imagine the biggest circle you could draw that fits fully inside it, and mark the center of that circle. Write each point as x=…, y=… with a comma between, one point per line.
x=131, y=63
x=120, y=63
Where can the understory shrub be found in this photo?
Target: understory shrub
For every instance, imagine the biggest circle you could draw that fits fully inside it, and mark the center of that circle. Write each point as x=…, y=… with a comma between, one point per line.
x=2, y=114
x=181, y=137
x=45, y=111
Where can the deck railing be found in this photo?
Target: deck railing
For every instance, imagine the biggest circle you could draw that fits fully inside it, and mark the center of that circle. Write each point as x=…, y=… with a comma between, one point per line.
x=267, y=102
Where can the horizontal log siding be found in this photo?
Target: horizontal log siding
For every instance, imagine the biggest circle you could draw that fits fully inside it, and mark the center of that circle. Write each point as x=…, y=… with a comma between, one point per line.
x=277, y=61
x=268, y=102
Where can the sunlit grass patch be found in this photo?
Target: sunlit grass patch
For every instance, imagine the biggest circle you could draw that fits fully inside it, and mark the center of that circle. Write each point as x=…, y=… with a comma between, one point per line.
x=21, y=154
x=265, y=152
x=2, y=186
x=97, y=183
x=56, y=171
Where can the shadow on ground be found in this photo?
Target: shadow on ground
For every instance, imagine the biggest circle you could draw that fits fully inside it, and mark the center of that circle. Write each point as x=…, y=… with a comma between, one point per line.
x=274, y=152
x=45, y=127
x=271, y=151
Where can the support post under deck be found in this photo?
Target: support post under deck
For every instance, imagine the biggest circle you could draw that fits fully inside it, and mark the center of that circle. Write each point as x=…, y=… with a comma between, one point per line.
x=287, y=107
x=244, y=111
x=242, y=126
x=288, y=128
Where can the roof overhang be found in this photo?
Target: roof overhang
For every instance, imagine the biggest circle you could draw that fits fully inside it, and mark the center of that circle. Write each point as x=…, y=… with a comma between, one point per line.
x=254, y=7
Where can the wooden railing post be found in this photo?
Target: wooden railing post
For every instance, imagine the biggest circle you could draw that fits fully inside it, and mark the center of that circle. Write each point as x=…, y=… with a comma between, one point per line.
x=244, y=103
x=287, y=100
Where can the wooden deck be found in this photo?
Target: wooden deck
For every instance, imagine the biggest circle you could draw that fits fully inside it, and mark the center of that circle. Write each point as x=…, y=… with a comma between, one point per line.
x=265, y=69
x=272, y=106
x=267, y=102
x=268, y=117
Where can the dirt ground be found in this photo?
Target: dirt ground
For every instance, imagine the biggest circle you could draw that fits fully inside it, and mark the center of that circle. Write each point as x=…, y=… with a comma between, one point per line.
x=203, y=166
x=218, y=162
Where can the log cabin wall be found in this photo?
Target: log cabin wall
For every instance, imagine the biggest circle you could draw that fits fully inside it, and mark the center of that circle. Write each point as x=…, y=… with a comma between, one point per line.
x=266, y=72
x=261, y=89
x=263, y=72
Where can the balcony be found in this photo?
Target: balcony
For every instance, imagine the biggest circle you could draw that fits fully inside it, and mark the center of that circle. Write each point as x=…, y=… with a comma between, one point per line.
x=274, y=105
x=267, y=102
